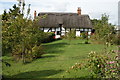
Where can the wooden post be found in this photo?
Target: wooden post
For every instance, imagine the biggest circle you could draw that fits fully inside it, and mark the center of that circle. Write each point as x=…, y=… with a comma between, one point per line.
x=65, y=31
x=70, y=29
x=83, y=29
x=80, y=31
x=43, y=29
x=51, y=29
x=55, y=29
x=60, y=30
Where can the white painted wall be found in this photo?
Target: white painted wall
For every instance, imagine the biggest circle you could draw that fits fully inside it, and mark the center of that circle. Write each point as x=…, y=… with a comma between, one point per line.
x=57, y=36
x=57, y=29
x=46, y=29
x=89, y=33
x=78, y=33
x=63, y=32
x=53, y=29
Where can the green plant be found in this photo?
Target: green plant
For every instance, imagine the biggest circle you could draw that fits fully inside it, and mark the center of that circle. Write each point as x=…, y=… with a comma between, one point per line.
x=59, y=56
x=116, y=39
x=84, y=35
x=100, y=65
x=103, y=30
x=49, y=37
x=20, y=33
x=71, y=35
x=37, y=51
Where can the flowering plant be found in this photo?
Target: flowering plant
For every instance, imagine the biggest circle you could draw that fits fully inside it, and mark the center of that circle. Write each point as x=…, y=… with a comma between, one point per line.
x=100, y=65
x=103, y=65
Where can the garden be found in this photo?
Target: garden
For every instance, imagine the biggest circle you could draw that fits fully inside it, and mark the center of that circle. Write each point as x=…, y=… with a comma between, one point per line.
x=56, y=63
x=29, y=53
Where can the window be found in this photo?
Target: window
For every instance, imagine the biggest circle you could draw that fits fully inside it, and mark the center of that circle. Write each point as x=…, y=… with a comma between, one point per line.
x=58, y=33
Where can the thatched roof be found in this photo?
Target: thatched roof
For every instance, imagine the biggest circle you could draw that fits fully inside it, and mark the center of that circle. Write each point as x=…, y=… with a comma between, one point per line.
x=68, y=20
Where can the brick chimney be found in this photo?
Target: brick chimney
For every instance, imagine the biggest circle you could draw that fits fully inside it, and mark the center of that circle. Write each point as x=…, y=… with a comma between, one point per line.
x=35, y=13
x=79, y=11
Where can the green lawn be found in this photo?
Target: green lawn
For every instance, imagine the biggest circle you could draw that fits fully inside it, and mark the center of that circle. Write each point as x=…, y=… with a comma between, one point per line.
x=60, y=55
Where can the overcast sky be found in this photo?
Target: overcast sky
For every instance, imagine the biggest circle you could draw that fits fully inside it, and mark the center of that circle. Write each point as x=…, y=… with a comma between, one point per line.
x=93, y=8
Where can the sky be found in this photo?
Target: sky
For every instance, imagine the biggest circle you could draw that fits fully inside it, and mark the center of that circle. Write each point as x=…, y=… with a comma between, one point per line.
x=94, y=8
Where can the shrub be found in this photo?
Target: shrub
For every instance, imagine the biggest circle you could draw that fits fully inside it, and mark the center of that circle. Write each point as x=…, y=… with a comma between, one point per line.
x=100, y=65
x=17, y=52
x=86, y=42
x=37, y=51
x=49, y=37
x=109, y=38
x=103, y=66
x=84, y=35
x=29, y=53
x=103, y=30
x=116, y=39
x=71, y=35
x=21, y=34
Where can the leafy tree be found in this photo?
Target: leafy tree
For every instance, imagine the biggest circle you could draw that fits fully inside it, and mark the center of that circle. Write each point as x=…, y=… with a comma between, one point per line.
x=21, y=35
x=103, y=29
x=5, y=15
x=10, y=34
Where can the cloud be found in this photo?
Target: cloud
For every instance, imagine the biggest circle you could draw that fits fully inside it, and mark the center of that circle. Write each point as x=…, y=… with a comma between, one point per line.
x=92, y=7
x=61, y=7
x=8, y=0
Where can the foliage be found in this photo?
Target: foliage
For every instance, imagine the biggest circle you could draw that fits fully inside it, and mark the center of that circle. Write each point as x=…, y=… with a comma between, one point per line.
x=21, y=34
x=37, y=51
x=84, y=35
x=8, y=29
x=104, y=31
x=116, y=39
x=60, y=56
x=49, y=37
x=71, y=34
x=101, y=65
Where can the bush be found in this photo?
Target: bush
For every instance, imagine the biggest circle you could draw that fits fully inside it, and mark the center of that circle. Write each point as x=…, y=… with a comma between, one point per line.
x=71, y=35
x=86, y=42
x=37, y=51
x=84, y=35
x=21, y=34
x=29, y=54
x=101, y=65
x=17, y=52
x=103, y=30
x=49, y=37
x=109, y=38
x=116, y=39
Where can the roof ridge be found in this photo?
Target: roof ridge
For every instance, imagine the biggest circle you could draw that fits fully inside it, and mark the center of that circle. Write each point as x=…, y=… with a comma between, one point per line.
x=60, y=13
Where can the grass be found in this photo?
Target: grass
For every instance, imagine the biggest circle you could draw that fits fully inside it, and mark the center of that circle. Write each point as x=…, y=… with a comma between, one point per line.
x=60, y=56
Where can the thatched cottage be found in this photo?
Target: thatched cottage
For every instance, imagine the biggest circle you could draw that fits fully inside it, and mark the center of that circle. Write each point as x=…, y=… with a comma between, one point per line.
x=60, y=23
